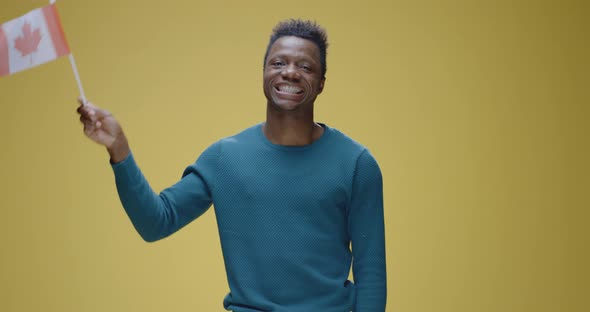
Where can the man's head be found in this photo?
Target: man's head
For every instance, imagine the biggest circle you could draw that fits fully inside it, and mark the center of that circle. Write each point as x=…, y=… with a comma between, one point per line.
x=295, y=65
x=304, y=29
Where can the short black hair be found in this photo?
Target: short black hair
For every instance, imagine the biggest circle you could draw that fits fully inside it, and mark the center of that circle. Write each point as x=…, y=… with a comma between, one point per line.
x=305, y=29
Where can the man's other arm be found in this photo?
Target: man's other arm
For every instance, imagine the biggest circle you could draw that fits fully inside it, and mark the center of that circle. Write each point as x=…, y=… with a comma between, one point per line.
x=367, y=232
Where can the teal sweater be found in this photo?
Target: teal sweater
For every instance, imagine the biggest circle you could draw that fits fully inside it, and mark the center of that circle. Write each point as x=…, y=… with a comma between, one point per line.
x=291, y=219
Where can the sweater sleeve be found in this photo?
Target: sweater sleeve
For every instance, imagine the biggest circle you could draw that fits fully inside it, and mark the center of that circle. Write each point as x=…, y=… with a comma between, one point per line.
x=367, y=233
x=156, y=216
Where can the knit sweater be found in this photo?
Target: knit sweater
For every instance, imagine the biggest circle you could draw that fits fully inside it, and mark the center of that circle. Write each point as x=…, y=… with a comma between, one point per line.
x=291, y=219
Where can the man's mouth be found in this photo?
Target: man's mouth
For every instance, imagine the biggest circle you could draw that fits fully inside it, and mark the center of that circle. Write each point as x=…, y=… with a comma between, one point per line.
x=284, y=88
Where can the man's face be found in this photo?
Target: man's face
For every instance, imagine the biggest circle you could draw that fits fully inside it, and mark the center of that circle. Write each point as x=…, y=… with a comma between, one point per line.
x=292, y=74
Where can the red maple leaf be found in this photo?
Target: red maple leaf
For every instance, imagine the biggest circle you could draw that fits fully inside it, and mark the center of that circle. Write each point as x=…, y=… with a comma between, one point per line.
x=29, y=41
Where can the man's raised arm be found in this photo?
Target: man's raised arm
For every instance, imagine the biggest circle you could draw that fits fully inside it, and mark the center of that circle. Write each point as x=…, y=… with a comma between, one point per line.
x=154, y=216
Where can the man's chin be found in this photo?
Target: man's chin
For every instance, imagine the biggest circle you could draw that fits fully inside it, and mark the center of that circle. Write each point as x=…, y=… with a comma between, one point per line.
x=287, y=106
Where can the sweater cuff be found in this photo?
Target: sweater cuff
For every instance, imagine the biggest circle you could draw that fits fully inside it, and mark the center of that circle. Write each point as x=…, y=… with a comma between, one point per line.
x=124, y=165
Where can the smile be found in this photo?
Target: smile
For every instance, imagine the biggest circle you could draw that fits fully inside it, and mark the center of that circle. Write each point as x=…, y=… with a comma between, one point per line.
x=284, y=88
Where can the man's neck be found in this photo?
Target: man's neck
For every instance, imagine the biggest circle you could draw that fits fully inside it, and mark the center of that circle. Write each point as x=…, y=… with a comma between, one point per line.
x=287, y=128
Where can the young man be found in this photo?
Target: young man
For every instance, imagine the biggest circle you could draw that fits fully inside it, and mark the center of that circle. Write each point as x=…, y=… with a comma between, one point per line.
x=290, y=194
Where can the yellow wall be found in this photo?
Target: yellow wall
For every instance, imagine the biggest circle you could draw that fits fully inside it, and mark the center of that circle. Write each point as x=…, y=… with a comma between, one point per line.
x=475, y=111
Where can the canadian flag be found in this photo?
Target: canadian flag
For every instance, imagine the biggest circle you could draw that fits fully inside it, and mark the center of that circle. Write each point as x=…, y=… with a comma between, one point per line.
x=30, y=40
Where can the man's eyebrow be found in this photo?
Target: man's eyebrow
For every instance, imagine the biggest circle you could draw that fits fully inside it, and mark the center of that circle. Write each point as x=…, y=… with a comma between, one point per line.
x=304, y=57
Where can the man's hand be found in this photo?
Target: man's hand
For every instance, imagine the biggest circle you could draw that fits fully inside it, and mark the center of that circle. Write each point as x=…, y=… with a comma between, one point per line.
x=101, y=127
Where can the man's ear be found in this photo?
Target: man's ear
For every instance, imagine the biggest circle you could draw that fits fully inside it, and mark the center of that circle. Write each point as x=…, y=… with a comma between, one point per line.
x=322, y=82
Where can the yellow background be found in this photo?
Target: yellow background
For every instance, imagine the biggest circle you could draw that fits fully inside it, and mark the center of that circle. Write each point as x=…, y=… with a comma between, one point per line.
x=477, y=111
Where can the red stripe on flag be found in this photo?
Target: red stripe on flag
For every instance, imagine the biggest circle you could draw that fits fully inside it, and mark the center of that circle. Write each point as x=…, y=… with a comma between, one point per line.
x=55, y=30
x=4, y=69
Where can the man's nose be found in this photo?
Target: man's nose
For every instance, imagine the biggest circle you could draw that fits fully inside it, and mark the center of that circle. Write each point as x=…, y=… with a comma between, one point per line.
x=290, y=73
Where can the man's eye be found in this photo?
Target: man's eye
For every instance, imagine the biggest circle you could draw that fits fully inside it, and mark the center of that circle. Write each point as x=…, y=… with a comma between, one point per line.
x=277, y=63
x=306, y=67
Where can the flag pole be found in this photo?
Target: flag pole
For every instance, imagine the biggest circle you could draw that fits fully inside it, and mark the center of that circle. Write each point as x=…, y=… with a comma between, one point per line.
x=75, y=70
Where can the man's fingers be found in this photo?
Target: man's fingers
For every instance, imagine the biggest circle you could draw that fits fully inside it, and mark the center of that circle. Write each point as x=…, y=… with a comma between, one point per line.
x=87, y=113
x=91, y=117
x=88, y=124
x=95, y=113
x=85, y=104
x=87, y=121
x=88, y=128
x=92, y=112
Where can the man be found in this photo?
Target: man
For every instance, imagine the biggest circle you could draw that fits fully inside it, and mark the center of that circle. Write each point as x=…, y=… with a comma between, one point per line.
x=290, y=194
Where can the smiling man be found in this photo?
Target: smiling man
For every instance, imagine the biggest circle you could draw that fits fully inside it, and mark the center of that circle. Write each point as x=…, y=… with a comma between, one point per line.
x=296, y=201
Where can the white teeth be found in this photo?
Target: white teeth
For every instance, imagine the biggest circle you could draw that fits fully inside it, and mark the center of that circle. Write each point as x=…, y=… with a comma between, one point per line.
x=289, y=89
